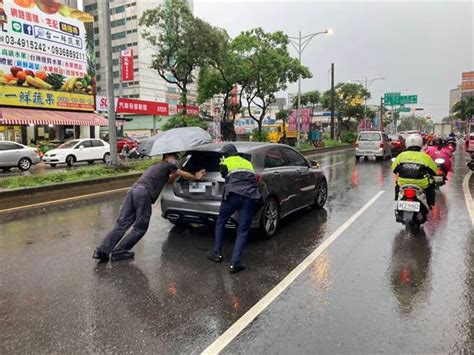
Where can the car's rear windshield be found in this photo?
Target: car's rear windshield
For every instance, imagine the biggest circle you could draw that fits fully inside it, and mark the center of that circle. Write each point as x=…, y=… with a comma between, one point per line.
x=370, y=136
x=194, y=161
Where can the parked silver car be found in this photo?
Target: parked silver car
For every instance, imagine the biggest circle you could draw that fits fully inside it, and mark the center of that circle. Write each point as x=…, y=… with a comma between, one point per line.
x=288, y=181
x=15, y=155
x=373, y=144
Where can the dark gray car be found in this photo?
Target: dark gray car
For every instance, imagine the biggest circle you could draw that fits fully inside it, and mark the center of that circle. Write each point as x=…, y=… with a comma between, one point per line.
x=288, y=181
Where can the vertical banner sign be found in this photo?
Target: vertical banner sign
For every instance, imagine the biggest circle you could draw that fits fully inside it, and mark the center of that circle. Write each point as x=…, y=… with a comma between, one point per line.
x=127, y=65
x=47, y=56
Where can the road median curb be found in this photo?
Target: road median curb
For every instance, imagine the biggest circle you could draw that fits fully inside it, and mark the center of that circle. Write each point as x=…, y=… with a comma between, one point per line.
x=16, y=200
x=33, y=197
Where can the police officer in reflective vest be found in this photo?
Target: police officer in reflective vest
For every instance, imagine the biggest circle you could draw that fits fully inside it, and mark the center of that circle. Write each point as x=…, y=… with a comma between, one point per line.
x=240, y=194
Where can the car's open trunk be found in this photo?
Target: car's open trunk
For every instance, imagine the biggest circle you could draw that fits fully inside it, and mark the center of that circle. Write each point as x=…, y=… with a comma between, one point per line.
x=211, y=186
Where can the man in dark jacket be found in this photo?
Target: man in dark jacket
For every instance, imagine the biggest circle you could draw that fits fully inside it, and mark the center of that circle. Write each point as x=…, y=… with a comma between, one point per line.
x=240, y=194
x=137, y=207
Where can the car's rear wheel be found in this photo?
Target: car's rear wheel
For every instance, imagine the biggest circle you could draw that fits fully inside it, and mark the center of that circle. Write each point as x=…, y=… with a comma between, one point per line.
x=270, y=218
x=321, y=194
x=106, y=158
x=24, y=164
x=70, y=160
x=382, y=158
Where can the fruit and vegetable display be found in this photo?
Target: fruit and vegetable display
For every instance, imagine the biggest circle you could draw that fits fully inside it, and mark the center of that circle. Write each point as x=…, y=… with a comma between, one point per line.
x=51, y=81
x=51, y=7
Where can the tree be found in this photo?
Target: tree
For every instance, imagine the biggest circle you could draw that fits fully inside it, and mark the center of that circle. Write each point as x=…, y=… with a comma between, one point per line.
x=283, y=116
x=464, y=109
x=184, y=121
x=266, y=68
x=183, y=43
x=348, y=102
x=310, y=98
x=224, y=75
x=409, y=123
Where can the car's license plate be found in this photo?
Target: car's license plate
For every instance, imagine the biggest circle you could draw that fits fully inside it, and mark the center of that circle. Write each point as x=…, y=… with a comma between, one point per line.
x=438, y=178
x=198, y=187
x=410, y=206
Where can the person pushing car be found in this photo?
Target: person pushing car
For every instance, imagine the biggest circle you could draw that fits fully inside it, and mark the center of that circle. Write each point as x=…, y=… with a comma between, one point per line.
x=240, y=194
x=137, y=208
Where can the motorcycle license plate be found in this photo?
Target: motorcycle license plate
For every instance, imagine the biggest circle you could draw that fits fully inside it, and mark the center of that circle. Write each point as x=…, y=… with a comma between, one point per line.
x=438, y=179
x=410, y=206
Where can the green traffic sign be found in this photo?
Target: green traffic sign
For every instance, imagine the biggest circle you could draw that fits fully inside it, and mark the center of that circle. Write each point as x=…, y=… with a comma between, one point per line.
x=403, y=109
x=408, y=99
x=391, y=98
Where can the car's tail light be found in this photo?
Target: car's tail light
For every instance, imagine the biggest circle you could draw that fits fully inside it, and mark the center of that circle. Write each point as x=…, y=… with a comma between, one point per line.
x=381, y=145
x=258, y=178
x=409, y=194
x=356, y=144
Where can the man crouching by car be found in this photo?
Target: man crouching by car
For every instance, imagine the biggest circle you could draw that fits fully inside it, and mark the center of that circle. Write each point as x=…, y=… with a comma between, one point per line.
x=137, y=207
x=240, y=194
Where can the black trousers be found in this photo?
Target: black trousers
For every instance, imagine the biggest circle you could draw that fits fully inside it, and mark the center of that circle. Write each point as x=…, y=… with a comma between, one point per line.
x=136, y=211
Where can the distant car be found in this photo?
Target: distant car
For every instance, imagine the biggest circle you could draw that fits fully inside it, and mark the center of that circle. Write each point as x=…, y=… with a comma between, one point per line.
x=15, y=155
x=373, y=144
x=127, y=142
x=288, y=181
x=398, y=143
x=78, y=150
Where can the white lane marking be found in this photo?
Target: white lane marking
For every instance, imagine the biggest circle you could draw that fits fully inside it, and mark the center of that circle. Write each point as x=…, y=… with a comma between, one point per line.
x=230, y=334
x=468, y=196
x=328, y=166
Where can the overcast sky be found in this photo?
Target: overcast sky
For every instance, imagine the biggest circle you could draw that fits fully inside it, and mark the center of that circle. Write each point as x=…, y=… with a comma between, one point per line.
x=420, y=47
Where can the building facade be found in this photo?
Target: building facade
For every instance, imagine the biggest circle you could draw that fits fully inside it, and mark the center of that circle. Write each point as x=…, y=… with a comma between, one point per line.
x=125, y=33
x=454, y=97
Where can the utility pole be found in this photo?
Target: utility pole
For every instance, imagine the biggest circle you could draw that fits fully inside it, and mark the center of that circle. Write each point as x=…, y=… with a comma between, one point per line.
x=381, y=113
x=300, y=43
x=298, y=137
x=333, y=94
x=110, y=84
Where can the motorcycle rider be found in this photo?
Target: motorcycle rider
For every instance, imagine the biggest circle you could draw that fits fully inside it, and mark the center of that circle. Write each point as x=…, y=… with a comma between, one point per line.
x=439, y=150
x=414, y=167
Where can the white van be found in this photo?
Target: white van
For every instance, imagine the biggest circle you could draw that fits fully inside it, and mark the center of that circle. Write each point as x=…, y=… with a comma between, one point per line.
x=373, y=144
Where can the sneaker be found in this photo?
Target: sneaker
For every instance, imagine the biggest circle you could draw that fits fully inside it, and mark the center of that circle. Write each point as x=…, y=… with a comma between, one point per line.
x=214, y=257
x=100, y=255
x=122, y=255
x=236, y=268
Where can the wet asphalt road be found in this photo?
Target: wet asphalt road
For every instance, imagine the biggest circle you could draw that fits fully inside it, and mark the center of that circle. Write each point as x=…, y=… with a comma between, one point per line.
x=374, y=289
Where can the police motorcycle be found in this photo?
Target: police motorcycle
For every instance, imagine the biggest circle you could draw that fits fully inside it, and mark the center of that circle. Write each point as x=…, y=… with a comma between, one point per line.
x=412, y=205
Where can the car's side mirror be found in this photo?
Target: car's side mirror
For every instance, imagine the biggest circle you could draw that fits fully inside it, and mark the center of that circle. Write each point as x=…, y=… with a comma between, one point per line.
x=314, y=164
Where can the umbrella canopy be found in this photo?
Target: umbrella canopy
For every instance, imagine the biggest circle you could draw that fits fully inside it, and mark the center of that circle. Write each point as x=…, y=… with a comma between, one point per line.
x=174, y=140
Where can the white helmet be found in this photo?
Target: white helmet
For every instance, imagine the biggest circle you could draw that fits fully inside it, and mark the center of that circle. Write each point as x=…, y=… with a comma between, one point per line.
x=414, y=140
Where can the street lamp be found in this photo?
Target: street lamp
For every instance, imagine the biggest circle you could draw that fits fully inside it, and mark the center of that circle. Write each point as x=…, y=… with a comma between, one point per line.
x=367, y=83
x=300, y=43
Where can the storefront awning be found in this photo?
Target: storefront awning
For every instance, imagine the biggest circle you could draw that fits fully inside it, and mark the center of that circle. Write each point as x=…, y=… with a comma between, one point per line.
x=23, y=116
